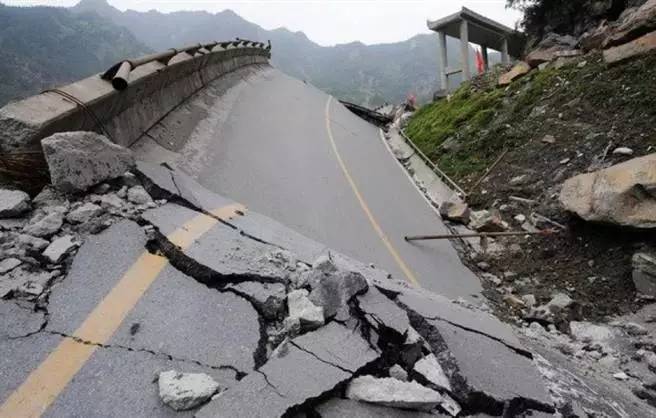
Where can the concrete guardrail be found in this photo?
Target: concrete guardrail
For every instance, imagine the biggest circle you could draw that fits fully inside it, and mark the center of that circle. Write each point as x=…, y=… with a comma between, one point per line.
x=125, y=101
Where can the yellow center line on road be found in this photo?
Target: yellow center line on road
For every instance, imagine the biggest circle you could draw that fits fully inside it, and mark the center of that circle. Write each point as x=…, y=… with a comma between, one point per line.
x=49, y=379
x=363, y=204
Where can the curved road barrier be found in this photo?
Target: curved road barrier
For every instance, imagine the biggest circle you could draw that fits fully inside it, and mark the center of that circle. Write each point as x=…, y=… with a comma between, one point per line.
x=128, y=99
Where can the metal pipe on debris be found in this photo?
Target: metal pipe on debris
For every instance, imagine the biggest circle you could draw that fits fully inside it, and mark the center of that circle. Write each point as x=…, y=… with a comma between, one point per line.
x=545, y=232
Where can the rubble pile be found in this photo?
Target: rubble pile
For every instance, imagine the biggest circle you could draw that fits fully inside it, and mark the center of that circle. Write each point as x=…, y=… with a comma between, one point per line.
x=632, y=34
x=334, y=336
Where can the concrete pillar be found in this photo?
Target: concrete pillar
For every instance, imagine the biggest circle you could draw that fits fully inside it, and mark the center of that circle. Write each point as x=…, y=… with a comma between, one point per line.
x=464, y=41
x=444, y=62
x=486, y=59
x=505, y=58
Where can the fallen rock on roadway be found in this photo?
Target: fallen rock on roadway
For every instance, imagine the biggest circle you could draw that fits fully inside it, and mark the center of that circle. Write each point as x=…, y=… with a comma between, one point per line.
x=79, y=160
x=183, y=391
x=290, y=327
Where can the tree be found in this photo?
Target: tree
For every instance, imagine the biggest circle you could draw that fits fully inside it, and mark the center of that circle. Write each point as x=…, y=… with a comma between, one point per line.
x=571, y=17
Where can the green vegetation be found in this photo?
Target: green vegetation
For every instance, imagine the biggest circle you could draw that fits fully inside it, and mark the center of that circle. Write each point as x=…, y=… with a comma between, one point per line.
x=466, y=133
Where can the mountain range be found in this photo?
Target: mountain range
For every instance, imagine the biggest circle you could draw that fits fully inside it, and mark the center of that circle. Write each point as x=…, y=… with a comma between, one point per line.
x=59, y=45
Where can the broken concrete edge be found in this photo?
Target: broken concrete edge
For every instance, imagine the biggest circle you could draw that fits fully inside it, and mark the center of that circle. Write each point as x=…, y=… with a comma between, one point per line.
x=381, y=336
x=154, y=90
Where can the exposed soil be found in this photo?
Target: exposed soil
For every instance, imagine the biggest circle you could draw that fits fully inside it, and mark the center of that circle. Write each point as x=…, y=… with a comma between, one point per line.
x=589, y=109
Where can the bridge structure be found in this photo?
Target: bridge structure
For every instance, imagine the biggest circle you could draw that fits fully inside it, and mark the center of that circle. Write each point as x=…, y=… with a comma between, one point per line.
x=471, y=27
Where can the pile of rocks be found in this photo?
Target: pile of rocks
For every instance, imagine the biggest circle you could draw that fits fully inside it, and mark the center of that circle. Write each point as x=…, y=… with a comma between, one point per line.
x=633, y=34
x=92, y=189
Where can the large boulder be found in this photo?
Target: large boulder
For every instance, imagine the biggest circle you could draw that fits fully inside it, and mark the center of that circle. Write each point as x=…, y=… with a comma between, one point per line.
x=641, y=46
x=624, y=194
x=520, y=69
x=79, y=160
x=634, y=24
x=13, y=203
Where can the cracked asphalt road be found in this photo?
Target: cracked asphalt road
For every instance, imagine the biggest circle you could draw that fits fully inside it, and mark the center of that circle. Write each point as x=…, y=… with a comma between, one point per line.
x=289, y=151
x=123, y=314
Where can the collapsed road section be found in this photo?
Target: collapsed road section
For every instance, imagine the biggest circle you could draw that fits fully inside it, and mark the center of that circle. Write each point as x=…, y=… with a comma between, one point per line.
x=148, y=294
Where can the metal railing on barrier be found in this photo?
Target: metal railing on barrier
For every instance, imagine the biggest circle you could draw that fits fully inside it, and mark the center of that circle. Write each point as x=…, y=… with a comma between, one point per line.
x=119, y=73
x=433, y=166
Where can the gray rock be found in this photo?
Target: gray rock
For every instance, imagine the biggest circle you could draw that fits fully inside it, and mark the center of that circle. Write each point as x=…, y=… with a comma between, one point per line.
x=610, y=195
x=138, y=195
x=8, y=264
x=48, y=196
x=111, y=200
x=301, y=308
x=324, y=264
x=549, y=139
x=431, y=370
x=644, y=273
x=456, y=211
x=397, y=372
x=183, y=391
x=33, y=243
x=59, y=248
x=393, y=393
x=79, y=160
x=335, y=290
x=268, y=297
x=487, y=221
x=84, y=213
x=45, y=225
x=590, y=333
x=519, y=180
x=13, y=203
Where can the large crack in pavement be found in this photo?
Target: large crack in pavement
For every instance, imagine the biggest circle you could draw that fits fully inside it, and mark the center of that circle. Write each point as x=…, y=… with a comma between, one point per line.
x=239, y=374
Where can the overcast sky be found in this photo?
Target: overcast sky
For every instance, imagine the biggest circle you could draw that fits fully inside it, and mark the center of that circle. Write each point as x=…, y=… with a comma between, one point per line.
x=327, y=22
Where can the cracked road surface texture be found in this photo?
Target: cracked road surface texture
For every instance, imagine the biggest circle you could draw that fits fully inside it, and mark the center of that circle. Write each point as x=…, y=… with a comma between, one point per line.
x=160, y=294
x=289, y=151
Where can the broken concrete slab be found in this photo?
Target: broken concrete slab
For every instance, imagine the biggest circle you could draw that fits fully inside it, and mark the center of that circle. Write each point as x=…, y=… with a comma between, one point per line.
x=274, y=390
x=383, y=312
x=23, y=283
x=390, y=392
x=340, y=408
x=431, y=370
x=134, y=391
x=19, y=320
x=269, y=298
x=334, y=291
x=138, y=195
x=45, y=224
x=79, y=160
x=163, y=182
x=60, y=248
x=221, y=255
x=112, y=252
x=84, y=213
x=433, y=306
x=8, y=264
x=508, y=379
x=183, y=391
x=13, y=203
x=302, y=309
